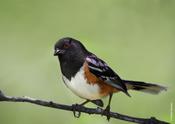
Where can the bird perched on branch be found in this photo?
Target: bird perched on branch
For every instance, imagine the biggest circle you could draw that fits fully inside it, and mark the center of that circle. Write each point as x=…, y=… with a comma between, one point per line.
x=90, y=78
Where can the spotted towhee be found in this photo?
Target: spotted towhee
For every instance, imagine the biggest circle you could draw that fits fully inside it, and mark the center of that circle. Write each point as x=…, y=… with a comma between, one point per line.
x=91, y=78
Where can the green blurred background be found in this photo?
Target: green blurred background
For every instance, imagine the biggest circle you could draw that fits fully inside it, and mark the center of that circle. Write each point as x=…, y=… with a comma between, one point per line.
x=136, y=38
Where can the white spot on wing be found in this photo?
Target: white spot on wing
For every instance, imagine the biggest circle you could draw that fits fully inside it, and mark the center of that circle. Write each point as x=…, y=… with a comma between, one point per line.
x=97, y=69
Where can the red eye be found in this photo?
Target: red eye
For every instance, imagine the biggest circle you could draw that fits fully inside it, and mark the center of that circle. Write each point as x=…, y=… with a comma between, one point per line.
x=66, y=46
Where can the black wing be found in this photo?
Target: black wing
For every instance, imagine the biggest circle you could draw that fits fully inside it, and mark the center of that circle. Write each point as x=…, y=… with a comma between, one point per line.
x=100, y=69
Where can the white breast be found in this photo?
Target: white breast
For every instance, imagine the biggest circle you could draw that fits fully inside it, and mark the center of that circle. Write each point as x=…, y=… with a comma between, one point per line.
x=80, y=87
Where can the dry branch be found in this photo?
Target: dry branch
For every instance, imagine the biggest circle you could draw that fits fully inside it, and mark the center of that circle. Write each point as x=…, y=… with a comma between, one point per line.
x=79, y=108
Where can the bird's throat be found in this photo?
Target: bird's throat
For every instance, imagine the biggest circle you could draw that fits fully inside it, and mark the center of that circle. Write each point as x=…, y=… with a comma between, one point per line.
x=70, y=66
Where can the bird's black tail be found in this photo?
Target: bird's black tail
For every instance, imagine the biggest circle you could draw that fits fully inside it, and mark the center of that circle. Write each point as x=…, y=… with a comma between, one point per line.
x=144, y=87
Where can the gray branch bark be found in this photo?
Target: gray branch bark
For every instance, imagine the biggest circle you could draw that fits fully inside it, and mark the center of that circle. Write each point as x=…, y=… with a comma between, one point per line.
x=80, y=108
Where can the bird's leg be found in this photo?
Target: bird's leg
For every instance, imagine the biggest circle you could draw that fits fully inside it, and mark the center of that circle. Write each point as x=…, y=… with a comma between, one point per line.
x=77, y=114
x=107, y=109
x=85, y=102
x=97, y=102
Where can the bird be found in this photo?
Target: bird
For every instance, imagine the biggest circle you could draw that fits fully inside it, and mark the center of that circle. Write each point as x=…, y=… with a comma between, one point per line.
x=90, y=77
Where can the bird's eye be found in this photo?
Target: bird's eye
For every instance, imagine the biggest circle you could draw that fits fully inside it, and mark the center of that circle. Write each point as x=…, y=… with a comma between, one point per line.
x=66, y=45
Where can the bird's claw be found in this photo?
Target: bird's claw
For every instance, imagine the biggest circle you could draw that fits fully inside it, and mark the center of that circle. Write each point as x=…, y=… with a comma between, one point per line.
x=107, y=112
x=76, y=113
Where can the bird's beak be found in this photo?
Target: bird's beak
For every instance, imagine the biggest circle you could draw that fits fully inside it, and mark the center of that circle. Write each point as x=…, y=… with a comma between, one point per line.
x=58, y=52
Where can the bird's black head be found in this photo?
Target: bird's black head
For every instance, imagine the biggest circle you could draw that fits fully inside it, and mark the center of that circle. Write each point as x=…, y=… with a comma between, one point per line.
x=71, y=54
x=68, y=47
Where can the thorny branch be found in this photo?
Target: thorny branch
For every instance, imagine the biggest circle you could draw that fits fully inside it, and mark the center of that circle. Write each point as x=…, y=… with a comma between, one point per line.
x=80, y=108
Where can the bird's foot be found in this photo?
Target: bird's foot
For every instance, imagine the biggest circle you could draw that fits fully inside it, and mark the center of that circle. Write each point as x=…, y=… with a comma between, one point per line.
x=76, y=113
x=107, y=112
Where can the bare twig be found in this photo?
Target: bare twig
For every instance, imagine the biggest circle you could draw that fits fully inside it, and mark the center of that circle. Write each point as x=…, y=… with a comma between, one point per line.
x=79, y=108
